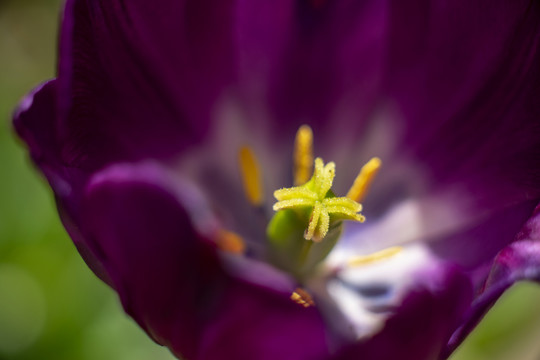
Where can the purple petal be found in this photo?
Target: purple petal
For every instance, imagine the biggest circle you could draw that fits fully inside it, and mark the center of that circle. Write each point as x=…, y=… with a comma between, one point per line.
x=333, y=62
x=131, y=73
x=517, y=262
x=478, y=243
x=467, y=85
x=138, y=79
x=422, y=324
x=43, y=98
x=255, y=324
x=171, y=281
x=35, y=122
x=163, y=270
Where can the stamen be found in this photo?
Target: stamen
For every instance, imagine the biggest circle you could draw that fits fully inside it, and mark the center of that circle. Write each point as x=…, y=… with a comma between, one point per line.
x=251, y=177
x=230, y=242
x=303, y=155
x=364, y=179
x=302, y=297
x=375, y=257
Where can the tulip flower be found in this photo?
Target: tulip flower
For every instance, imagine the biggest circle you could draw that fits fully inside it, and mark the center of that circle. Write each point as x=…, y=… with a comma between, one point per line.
x=306, y=179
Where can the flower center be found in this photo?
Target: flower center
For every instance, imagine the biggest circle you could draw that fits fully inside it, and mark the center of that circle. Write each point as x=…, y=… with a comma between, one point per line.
x=309, y=216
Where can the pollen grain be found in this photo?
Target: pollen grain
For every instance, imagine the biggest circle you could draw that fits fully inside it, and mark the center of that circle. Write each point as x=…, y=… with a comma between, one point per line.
x=302, y=297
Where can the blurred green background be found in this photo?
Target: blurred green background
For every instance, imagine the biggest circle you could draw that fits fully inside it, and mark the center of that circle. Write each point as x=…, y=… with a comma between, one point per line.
x=52, y=306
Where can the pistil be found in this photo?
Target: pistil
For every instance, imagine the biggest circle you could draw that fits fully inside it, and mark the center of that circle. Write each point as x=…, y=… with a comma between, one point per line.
x=316, y=195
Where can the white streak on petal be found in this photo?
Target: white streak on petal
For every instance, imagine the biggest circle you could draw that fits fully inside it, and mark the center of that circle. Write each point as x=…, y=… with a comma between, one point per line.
x=358, y=300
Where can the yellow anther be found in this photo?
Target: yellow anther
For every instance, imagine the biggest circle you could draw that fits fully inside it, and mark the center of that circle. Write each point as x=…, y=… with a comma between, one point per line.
x=302, y=297
x=375, y=257
x=364, y=179
x=230, y=242
x=251, y=177
x=303, y=155
x=313, y=194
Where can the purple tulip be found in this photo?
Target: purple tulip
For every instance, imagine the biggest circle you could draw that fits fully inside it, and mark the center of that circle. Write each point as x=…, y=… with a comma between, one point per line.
x=171, y=124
